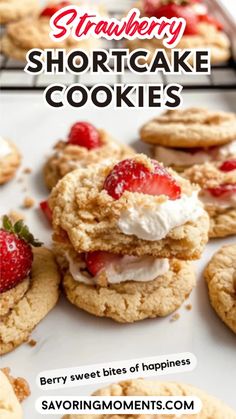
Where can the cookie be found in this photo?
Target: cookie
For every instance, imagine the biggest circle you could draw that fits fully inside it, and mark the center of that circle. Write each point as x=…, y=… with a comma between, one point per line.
x=190, y=128
x=19, y=385
x=10, y=298
x=133, y=301
x=218, y=194
x=31, y=33
x=13, y=10
x=10, y=407
x=220, y=275
x=9, y=160
x=40, y=298
x=68, y=157
x=211, y=407
x=91, y=219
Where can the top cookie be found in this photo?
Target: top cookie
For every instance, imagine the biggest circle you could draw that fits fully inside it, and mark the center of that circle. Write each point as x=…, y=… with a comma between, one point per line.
x=135, y=207
x=211, y=407
x=13, y=10
x=193, y=127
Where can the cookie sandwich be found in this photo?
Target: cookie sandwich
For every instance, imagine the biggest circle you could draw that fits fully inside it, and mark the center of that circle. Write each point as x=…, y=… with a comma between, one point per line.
x=14, y=10
x=220, y=275
x=182, y=138
x=13, y=391
x=33, y=32
x=29, y=284
x=84, y=146
x=10, y=159
x=128, y=231
x=218, y=194
x=211, y=407
x=201, y=31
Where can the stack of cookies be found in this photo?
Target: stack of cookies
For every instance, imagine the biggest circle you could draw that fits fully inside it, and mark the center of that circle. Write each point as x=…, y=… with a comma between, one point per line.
x=126, y=233
x=182, y=138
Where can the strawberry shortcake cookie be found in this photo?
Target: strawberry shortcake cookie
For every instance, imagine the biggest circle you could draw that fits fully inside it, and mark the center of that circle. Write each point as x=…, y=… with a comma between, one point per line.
x=126, y=232
x=33, y=32
x=29, y=284
x=13, y=10
x=218, y=194
x=13, y=391
x=212, y=408
x=84, y=146
x=182, y=138
x=10, y=159
x=202, y=30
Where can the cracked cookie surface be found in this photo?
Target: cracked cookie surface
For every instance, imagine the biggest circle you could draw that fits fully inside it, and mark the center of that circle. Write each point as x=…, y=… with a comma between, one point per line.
x=220, y=275
x=68, y=157
x=211, y=407
x=41, y=297
x=133, y=301
x=13, y=10
x=192, y=127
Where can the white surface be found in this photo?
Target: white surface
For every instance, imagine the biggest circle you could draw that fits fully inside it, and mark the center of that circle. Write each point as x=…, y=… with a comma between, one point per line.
x=69, y=337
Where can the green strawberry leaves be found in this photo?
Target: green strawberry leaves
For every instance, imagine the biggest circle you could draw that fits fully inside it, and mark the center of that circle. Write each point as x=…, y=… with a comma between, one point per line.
x=20, y=230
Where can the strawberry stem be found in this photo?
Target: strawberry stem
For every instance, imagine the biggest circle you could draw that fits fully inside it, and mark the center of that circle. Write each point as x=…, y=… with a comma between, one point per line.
x=20, y=230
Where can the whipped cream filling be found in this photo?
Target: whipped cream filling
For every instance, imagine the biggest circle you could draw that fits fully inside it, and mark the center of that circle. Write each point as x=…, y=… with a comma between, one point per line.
x=155, y=223
x=128, y=268
x=182, y=157
x=224, y=202
x=5, y=148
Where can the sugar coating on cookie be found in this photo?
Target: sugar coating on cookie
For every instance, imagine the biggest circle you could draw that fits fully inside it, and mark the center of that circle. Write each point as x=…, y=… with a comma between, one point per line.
x=10, y=159
x=68, y=157
x=211, y=407
x=39, y=299
x=128, y=302
x=220, y=275
x=93, y=220
x=189, y=128
x=13, y=10
x=218, y=194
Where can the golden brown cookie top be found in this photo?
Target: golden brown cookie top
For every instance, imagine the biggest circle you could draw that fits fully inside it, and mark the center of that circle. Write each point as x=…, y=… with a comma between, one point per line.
x=210, y=175
x=192, y=127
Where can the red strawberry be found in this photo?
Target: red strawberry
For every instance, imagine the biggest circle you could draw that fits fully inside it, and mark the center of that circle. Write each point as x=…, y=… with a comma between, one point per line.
x=130, y=175
x=97, y=261
x=209, y=19
x=174, y=10
x=150, y=7
x=222, y=191
x=16, y=255
x=46, y=210
x=85, y=135
x=49, y=11
x=228, y=166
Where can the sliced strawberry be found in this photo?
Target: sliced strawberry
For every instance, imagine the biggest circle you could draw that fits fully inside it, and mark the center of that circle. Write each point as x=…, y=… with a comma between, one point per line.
x=174, y=10
x=150, y=7
x=223, y=191
x=50, y=10
x=130, y=175
x=97, y=261
x=212, y=21
x=85, y=135
x=46, y=210
x=16, y=255
x=228, y=166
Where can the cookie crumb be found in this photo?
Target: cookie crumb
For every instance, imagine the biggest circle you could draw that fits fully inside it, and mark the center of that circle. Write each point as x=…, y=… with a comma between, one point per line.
x=28, y=202
x=189, y=307
x=27, y=171
x=175, y=317
x=20, y=385
x=16, y=216
x=32, y=343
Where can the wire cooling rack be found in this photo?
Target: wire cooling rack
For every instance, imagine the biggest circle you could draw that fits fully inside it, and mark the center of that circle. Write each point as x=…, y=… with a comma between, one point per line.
x=13, y=78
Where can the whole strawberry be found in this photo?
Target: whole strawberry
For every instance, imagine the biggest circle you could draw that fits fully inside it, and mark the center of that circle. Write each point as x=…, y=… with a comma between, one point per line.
x=16, y=254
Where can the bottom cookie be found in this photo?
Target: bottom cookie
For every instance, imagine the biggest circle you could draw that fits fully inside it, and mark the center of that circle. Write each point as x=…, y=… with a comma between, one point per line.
x=220, y=276
x=12, y=392
x=128, y=302
x=211, y=407
x=38, y=300
x=223, y=224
